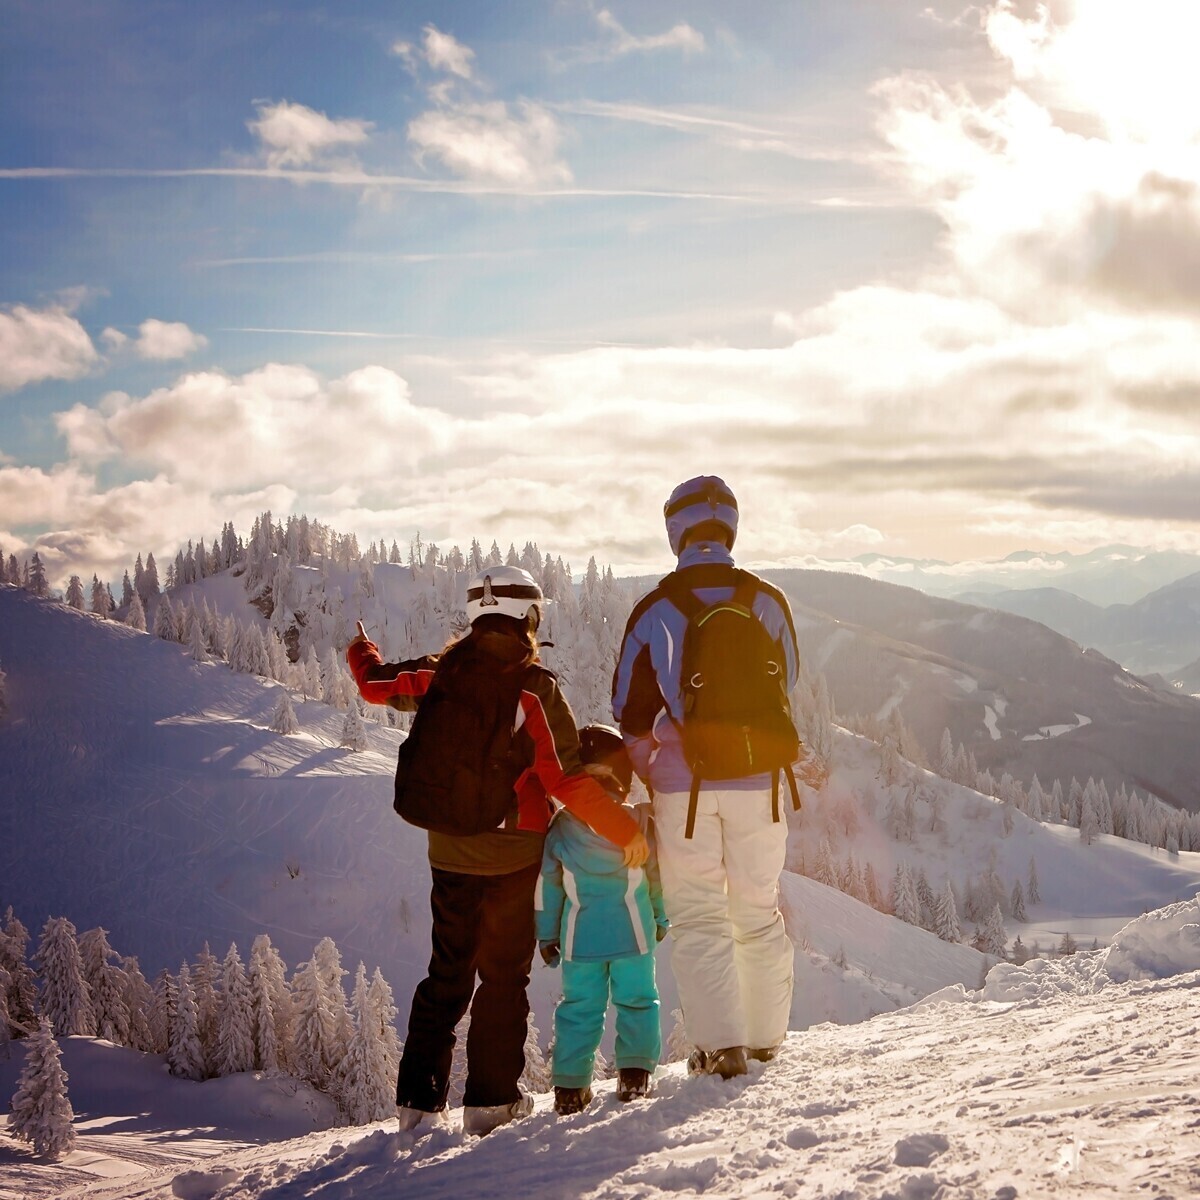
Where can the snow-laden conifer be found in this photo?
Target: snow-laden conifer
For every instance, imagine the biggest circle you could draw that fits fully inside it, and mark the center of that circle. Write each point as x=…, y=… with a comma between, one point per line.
x=234, y=1050
x=75, y=593
x=283, y=720
x=162, y=1011
x=41, y=1109
x=315, y=1032
x=992, y=938
x=271, y=1005
x=185, y=1054
x=164, y=619
x=135, y=615
x=100, y=604
x=203, y=977
x=106, y=983
x=66, y=999
x=3, y=693
x=196, y=643
x=945, y=922
x=537, y=1075
x=365, y=1081
x=382, y=1007
x=139, y=1001
x=354, y=729
x=7, y=1029
x=22, y=983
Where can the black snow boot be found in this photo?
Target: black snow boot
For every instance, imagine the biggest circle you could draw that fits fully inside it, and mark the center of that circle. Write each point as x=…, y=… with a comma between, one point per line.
x=727, y=1063
x=632, y=1083
x=571, y=1100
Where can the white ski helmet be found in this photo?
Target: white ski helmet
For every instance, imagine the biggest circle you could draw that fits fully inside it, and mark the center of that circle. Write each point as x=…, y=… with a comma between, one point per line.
x=509, y=591
x=705, y=498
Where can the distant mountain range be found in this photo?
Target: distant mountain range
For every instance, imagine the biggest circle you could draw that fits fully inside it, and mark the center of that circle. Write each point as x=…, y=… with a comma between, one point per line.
x=1020, y=696
x=1155, y=635
x=1114, y=574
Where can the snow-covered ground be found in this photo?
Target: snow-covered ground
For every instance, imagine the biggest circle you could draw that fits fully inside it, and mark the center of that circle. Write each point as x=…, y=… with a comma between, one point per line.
x=1075, y=1078
x=152, y=798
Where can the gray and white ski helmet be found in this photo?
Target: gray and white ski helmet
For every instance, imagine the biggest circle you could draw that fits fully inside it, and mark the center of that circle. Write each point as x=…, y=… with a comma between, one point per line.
x=705, y=498
x=508, y=591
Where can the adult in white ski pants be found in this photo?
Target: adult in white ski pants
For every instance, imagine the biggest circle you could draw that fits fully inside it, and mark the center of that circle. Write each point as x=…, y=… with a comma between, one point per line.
x=731, y=956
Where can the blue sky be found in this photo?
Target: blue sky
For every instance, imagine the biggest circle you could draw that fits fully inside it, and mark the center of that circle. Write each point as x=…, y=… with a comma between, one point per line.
x=919, y=279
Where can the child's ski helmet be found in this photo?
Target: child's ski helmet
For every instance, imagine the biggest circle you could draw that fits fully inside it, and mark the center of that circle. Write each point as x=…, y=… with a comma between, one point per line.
x=508, y=591
x=705, y=498
x=602, y=745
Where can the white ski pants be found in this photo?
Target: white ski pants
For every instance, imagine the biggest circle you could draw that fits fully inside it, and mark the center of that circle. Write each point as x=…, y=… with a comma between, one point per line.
x=730, y=953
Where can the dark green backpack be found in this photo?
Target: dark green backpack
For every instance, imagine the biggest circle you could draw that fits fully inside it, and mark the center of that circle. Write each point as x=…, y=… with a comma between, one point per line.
x=736, y=717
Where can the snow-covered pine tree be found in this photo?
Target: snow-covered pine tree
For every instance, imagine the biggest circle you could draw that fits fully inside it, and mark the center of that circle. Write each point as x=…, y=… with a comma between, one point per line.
x=679, y=1045
x=22, y=1000
x=37, y=583
x=235, y=1043
x=3, y=693
x=537, y=1076
x=329, y=964
x=41, y=1109
x=139, y=1002
x=382, y=1007
x=107, y=986
x=100, y=605
x=135, y=616
x=354, y=729
x=196, y=645
x=945, y=919
x=315, y=1030
x=458, y=1064
x=1017, y=903
x=365, y=1084
x=203, y=979
x=162, y=1011
x=1066, y=946
x=185, y=1052
x=66, y=999
x=271, y=1001
x=164, y=619
x=905, y=904
x=992, y=938
x=284, y=718
x=75, y=593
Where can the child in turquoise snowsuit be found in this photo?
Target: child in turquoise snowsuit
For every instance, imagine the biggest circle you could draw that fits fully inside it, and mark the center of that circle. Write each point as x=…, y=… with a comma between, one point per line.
x=603, y=920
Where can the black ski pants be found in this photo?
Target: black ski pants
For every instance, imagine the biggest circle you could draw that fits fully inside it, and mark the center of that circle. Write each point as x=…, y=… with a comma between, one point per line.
x=482, y=924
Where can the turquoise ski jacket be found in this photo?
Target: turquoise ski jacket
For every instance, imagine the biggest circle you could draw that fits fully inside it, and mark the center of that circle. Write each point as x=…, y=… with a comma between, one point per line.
x=589, y=902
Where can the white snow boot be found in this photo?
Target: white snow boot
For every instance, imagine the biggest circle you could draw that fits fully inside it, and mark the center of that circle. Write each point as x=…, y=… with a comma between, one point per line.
x=483, y=1119
x=417, y=1120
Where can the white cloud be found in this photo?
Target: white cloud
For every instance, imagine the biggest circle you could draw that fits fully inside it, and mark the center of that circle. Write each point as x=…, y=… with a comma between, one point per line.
x=488, y=142
x=277, y=425
x=679, y=37
x=444, y=52
x=1079, y=184
x=39, y=344
x=114, y=339
x=163, y=340
x=293, y=135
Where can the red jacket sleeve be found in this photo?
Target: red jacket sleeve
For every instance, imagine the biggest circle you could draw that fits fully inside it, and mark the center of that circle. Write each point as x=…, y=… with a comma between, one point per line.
x=400, y=685
x=547, y=718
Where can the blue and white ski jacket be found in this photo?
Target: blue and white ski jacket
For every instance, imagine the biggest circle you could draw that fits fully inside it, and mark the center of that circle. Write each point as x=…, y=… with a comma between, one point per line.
x=588, y=901
x=647, y=697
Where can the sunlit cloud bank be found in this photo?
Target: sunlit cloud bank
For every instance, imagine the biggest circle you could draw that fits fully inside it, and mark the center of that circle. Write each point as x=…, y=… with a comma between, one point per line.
x=39, y=344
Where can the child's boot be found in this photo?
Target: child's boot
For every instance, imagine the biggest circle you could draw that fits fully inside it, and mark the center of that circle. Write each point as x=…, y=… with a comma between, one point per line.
x=568, y=1100
x=632, y=1082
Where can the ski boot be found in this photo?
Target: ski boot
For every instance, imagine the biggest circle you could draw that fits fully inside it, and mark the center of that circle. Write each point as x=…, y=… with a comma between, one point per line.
x=482, y=1119
x=568, y=1100
x=727, y=1063
x=632, y=1084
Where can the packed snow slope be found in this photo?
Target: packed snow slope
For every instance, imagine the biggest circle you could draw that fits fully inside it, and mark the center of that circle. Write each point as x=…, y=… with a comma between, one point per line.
x=1068, y=1079
x=144, y=792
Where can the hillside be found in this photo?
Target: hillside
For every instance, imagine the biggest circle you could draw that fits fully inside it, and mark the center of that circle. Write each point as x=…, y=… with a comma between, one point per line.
x=1154, y=635
x=154, y=800
x=1021, y=697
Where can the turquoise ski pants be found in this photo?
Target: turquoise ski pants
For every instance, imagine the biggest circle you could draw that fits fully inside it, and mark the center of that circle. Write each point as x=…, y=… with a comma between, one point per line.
x=579, y=1017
